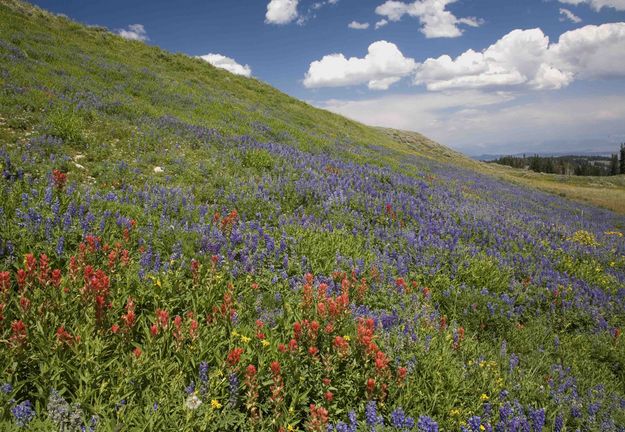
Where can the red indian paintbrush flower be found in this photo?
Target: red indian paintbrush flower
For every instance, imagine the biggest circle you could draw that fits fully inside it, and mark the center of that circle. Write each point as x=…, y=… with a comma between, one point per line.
x=178, y=327
x=129, y=317
x=162, y=317
x=297, y=330
x=278, y=384
x=401, y=373
x=65, y=337
x=318, y=419
x=234, y=357
x=44, y=269
x=370, y=386
x=56, y=278
x=5, y=282
x=193, y=329
x=18, y=333
x=59, y=178
x=21, y=279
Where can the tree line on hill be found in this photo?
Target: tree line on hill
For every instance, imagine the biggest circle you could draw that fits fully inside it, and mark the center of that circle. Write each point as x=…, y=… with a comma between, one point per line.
x=570, y=164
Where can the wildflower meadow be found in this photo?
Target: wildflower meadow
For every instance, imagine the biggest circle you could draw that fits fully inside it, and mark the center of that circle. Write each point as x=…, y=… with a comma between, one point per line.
x=283, y=269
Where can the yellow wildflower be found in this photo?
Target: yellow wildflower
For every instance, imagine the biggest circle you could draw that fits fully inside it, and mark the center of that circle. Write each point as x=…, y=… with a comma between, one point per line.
x=482, y=427
x=245, y=339
x=585, y=238
x=484, y=397
x=290, y=428
x=347, y=338
x=265, y=343
x=215, y=404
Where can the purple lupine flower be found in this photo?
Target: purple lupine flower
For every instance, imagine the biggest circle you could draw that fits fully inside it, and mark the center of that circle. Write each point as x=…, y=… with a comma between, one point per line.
x=190, y=388
x=203, y=372
x=353, y=421
x=23, y=413
x=60, y=246
x=401, y=421
x=233, y=386
x=505, y=412
x=6, y=388
x=427, y=424
x=487, y=409
x=514, y=362
x=474, y=423
x=371, y=415
x=538, y=419
x=558, y=424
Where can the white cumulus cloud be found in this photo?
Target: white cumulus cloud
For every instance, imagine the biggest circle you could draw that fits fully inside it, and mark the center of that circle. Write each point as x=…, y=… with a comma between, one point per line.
x=493, y=122
x=228, y=64
x=281, y=11
x=358, y=25
x=592, y=51
x=598, y=4
x=383, y=66
x=525, y=57
x=435, y=19
x=568, y=15
x=134, y=32
x=381, y=23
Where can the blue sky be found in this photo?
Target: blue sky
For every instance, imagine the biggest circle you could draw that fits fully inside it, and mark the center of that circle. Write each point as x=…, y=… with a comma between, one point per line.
x=518, y=87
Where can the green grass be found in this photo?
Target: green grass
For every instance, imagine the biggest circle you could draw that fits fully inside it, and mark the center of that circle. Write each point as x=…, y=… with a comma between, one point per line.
x=107, y=112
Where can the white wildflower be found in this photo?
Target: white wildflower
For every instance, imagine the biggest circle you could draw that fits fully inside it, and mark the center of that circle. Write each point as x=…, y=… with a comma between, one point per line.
x=193, y=402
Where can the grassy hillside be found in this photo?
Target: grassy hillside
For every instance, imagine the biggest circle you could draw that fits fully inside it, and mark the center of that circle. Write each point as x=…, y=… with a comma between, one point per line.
x=608, y=192
x=185, y=249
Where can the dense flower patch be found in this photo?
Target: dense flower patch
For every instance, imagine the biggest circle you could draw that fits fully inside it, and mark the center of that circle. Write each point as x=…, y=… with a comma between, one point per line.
x=260, y=282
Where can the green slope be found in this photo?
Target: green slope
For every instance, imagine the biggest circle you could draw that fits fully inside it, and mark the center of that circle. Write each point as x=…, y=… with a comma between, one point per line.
x=608, y=192
x=130, y=81
x=123, y=83
x=139, y=186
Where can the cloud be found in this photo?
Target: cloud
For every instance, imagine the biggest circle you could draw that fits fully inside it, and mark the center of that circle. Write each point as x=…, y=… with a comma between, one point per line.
x=592, y=51
x=285, y=11
x=134, y=32
x=228, y=64
x=477, y=122
x=436, y=21
x=281, y=11
x=526, y=58
x=567, y=14
x=358, y=26
x=381, y=23
x=383, y=66
x=412, y=111
x=597, y=5
x=320, y=4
